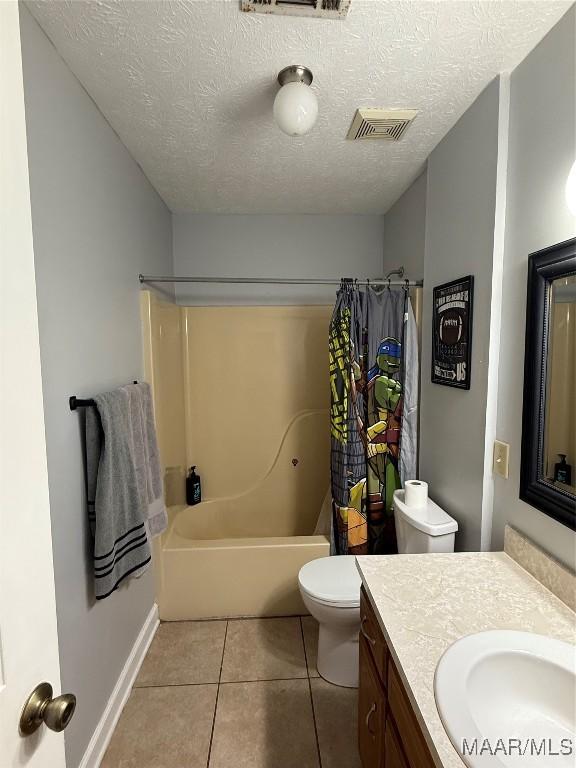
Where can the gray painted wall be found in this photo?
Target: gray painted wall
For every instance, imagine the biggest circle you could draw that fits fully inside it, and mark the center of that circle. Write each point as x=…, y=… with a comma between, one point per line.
x=460, y=221
x=274, y=246
x=405, y=231
x=542, y=148
x=97, y=223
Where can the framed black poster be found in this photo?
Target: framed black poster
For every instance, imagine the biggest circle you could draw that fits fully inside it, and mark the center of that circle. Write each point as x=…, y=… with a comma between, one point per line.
x=452, y=333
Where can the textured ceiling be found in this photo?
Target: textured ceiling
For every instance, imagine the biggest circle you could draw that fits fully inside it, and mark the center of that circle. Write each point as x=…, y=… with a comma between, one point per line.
x=189, y=86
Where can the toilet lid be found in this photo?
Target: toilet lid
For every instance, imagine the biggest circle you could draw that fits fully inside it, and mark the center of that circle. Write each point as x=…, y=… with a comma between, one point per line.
x=333, y=580
x=430, y=519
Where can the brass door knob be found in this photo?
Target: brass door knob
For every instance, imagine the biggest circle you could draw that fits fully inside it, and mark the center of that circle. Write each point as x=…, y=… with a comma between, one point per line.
x=41, y=708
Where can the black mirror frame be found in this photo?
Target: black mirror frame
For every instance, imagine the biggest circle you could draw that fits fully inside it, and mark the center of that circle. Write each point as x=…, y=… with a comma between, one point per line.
x=543, y=267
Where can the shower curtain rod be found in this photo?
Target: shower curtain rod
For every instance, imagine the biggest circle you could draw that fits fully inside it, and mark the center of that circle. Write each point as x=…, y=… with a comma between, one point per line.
x=279, y=280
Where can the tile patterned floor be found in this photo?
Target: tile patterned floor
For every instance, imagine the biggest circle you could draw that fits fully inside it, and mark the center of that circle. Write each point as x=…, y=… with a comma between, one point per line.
x=243, y=693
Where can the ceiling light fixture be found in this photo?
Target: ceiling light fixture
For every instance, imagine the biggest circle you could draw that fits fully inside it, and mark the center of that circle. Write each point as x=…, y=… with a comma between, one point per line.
x=295, y=105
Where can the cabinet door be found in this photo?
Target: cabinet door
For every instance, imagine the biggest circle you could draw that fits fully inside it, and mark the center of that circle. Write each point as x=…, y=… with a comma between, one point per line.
x=371, y=632
x=409, y=731
x=392, y=748
x=371, y=712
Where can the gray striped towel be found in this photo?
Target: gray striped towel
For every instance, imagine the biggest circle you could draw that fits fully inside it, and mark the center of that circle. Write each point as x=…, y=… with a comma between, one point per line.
x=146, y=456
x=117, y=497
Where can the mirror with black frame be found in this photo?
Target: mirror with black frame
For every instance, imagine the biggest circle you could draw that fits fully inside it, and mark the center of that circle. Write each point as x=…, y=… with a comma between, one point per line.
x=548, y=471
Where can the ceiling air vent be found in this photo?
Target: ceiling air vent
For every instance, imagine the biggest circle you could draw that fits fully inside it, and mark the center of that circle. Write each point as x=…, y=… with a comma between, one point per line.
x=387, y=124
x=326, y=9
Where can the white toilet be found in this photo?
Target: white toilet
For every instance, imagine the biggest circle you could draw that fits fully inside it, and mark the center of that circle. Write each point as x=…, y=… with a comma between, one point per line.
x=330, y=587
x=423, y=529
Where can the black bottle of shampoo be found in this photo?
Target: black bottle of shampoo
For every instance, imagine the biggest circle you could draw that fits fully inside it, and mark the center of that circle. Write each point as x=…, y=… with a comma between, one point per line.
x=563, y=471
x=193, y=489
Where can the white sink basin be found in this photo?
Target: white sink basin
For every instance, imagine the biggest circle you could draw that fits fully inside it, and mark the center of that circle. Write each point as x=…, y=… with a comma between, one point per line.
x=495, y=688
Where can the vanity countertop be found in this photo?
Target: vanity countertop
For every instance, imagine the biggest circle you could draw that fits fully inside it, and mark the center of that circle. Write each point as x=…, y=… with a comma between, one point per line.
x=426, y=602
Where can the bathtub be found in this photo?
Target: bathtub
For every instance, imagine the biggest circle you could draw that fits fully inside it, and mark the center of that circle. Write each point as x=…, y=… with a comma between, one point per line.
x=202, y=575
x=240, y=555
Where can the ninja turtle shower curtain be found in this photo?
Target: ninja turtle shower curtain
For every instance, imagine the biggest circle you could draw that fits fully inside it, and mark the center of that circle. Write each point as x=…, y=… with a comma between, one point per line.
x=373, y=414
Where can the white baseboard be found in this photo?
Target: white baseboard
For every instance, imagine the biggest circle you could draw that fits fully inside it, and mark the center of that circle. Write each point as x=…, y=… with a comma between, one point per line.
x=105, y=728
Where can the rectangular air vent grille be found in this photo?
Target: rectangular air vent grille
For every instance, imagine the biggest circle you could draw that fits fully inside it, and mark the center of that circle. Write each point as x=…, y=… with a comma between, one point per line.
x=386, y=124
x=327, y=9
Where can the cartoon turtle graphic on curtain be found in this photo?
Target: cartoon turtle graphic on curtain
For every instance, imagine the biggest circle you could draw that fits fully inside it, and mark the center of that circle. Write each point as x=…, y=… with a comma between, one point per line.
x=367, y=400
x=370, y=516
x=384, y=406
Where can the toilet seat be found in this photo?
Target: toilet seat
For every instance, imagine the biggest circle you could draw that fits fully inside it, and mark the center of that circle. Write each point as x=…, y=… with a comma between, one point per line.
x=332, y=581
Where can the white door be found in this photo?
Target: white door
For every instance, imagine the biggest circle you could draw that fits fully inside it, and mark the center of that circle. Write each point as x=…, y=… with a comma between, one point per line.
x=28, y=638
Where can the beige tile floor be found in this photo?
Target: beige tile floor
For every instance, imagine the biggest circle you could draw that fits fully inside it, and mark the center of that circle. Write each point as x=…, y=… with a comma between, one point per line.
x=243, y=693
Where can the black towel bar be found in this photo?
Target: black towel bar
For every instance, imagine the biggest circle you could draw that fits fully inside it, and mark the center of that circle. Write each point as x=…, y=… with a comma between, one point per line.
x=77, y=402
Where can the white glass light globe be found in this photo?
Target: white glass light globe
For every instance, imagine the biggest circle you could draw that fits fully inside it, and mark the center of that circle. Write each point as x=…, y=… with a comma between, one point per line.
x=571, y=190
x=295, y=109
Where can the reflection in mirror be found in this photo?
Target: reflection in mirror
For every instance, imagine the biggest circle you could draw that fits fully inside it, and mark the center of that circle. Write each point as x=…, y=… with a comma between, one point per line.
x=548, y=460
x=559, y=454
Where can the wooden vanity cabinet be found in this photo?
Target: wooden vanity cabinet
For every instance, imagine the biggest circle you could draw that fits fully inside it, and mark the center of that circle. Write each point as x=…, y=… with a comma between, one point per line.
x=393, y=754
x=371, y=711
x=371, y=633
x=389, y=735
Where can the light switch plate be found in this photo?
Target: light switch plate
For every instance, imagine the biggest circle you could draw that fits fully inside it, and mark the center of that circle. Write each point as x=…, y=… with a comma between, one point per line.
x=501, y=457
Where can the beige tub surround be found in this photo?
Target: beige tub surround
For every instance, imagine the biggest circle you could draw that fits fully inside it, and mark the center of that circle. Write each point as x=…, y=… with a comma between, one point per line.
x=240, y=555
x=241, y=392
x=249, y=372
x=426, y=602
x=285, y=501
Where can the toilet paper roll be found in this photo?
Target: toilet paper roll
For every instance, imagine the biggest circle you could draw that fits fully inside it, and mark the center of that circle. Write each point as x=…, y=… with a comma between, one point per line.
x=415, y=493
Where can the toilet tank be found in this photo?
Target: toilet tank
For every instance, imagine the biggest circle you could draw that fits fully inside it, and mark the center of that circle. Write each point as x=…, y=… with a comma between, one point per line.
x=423, y=529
